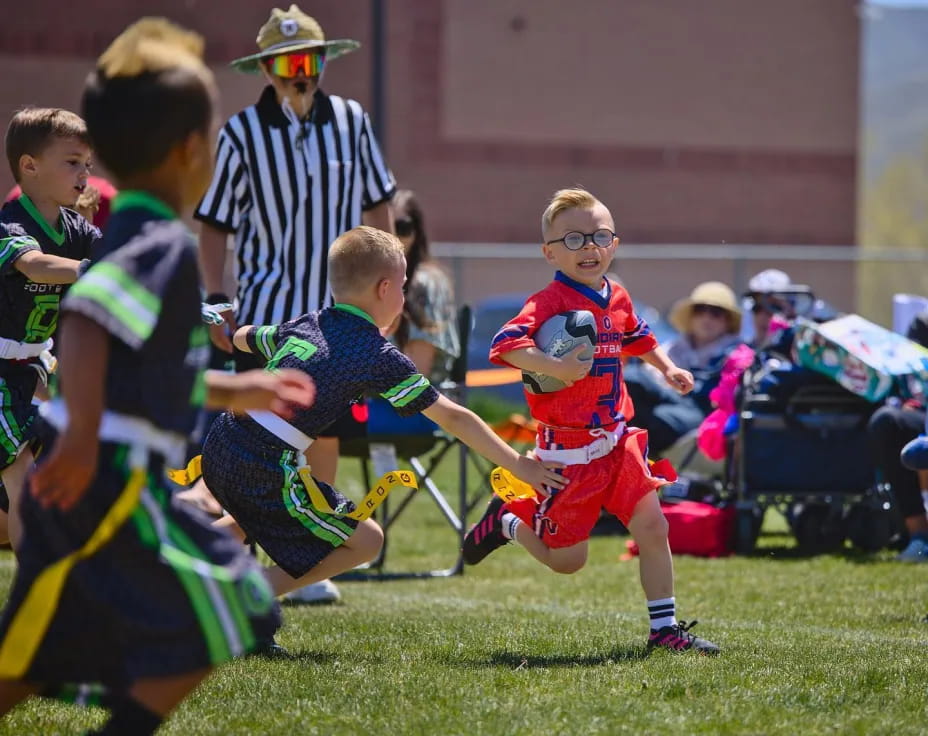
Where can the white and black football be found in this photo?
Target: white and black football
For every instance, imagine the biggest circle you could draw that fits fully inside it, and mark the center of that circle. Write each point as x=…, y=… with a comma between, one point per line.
x=557, y=336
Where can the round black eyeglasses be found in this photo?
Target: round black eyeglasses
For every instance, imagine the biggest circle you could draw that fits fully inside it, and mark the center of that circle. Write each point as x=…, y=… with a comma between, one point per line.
x=574, y=240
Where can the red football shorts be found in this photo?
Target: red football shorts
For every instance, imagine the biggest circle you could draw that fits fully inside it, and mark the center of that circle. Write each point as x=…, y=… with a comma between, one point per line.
x=616, y=483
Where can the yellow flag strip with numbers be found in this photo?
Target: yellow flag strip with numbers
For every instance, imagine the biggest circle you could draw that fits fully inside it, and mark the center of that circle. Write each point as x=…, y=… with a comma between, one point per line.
x=508, y=487
x=367, y=506
x=33, y=617
x=376, y=496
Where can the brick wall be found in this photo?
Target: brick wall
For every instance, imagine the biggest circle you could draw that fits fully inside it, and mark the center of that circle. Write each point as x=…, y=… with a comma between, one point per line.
x=717, y=121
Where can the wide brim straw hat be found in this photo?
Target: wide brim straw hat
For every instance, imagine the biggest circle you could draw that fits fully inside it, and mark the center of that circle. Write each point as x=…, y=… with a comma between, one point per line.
x=713, y=293
x=290, y=31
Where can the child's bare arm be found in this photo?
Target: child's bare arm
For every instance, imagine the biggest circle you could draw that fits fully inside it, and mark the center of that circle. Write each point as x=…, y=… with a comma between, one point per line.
x=680, y=380
x=473, y=432
x=64, y=477
x=45, y=268
x=568, y=368
x=278, y=391
x=239, y=339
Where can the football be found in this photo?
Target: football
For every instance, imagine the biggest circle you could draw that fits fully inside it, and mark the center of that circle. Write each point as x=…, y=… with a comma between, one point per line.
x=556, y=337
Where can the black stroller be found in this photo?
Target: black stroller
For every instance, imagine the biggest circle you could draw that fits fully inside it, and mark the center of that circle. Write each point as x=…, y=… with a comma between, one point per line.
x=801, y=446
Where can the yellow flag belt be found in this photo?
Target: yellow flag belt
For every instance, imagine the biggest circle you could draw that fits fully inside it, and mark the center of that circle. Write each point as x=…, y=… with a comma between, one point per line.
x=367, y=506
x=508, y=487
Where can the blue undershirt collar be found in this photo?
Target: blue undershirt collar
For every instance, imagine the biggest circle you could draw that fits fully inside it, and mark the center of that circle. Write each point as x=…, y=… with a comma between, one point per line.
x=590, y=293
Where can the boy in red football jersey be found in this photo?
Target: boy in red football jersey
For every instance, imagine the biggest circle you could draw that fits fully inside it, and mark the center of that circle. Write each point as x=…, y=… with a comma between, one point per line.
x=584, y=425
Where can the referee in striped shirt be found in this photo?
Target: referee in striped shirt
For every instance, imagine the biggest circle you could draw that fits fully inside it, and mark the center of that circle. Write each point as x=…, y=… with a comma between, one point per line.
x=293, y=172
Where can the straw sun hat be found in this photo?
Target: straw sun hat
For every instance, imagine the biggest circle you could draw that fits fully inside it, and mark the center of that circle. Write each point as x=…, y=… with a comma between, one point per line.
x=287, y=32
x=713, y=293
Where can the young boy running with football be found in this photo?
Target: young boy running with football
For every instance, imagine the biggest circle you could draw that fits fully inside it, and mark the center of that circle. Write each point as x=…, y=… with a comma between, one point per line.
x=252, y=463
x=118, y=583
x=583, y=425
x=43, y=247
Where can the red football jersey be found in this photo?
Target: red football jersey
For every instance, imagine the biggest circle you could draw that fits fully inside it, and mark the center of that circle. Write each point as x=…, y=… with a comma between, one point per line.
x=600, y=399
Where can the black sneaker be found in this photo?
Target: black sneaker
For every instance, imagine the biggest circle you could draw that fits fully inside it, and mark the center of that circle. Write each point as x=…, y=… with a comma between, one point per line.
x=677, y=638
x=487, y=534
x=269, y=648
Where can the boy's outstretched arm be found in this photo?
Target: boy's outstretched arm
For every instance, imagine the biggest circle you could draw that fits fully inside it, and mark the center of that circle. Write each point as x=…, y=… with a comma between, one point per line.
x=680, y=380
x=278, y=391
x=62, y=479
x=473, y=432
x=568, y=368
x=239, y=339
x=45, y=268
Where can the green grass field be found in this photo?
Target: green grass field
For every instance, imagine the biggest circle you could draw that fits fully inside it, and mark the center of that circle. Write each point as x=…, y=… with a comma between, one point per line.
x=832, y=644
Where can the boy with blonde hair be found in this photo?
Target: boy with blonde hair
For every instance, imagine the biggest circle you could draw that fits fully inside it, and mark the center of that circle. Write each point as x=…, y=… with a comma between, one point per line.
x=118, y=583
x=252, y=462
x=44, y=246
x=584, y=425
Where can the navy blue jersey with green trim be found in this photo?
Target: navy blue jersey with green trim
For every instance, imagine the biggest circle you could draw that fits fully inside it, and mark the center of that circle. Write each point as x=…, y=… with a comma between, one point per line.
x=347, y=358
x=146, y=294
x=29, y=310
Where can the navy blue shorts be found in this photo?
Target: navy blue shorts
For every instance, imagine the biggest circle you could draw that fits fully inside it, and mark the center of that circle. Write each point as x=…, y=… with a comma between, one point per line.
x=163, y=594
x=254, y=476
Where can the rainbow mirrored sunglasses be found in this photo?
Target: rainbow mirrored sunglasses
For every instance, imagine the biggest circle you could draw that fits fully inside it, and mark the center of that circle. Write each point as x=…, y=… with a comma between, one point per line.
x=289, y=65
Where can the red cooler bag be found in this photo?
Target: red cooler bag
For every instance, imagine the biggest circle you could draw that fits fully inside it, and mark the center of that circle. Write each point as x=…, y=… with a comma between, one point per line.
x=698, y=529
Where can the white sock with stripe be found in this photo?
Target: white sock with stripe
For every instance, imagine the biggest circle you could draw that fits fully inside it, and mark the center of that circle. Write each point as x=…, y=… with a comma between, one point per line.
x=510, y=523
x=663, y=612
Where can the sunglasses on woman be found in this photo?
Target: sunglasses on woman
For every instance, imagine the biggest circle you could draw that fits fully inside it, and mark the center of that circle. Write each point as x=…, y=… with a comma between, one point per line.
x=287, y=66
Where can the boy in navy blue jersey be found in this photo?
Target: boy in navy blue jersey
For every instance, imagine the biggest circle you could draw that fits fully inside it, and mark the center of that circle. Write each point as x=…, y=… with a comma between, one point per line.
x=43, y=247
x=251, y=463
x=118, y=583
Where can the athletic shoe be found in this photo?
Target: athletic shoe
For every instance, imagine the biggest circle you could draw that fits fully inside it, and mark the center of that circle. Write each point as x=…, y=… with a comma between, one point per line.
x=487, y=534
x=325, y=591
x=916, y=551
x=269, y=648
x=678, y=638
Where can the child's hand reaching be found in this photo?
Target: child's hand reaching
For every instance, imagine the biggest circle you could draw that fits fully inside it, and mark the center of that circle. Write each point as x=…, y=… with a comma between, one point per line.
x=538, y=474
x=280, y=391
x=680, y=380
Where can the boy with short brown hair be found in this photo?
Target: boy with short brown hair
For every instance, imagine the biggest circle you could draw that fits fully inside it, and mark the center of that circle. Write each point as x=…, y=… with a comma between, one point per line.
x=43, y=248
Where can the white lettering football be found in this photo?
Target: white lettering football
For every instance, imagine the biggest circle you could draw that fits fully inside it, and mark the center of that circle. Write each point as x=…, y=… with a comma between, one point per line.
x=557, y=336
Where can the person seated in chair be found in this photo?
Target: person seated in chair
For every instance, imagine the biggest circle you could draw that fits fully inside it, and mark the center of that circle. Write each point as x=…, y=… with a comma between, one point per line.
x=709, y=322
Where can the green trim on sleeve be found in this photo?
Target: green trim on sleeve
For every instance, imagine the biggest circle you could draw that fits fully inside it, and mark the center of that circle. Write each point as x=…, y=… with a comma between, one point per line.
x=121, y=295
x=10, y=247
x=407, y=390
x=265, y=340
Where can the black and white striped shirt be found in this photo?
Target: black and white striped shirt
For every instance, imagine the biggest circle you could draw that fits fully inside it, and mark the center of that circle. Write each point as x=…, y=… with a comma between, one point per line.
x=286, y=189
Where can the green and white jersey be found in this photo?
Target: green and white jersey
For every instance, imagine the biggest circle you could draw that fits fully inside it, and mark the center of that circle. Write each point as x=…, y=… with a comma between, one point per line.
x=29, y=310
